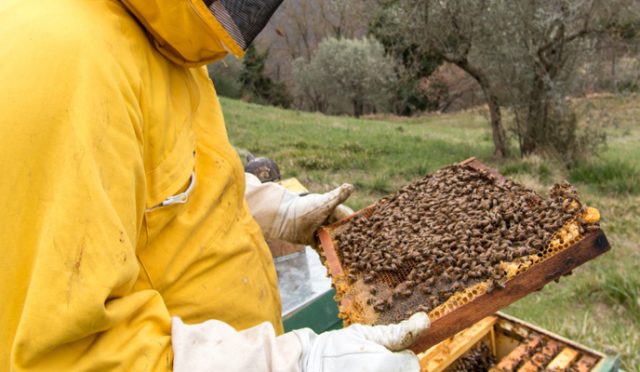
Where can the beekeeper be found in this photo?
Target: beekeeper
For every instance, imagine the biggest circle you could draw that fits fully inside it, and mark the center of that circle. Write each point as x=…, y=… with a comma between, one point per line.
x=127, y=242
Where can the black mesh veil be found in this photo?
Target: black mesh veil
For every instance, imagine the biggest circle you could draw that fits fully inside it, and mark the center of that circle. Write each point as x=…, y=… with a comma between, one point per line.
x=243, y=19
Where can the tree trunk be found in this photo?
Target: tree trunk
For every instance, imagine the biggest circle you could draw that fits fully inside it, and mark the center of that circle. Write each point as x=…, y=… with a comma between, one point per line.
x=614, y=80
x=357, y=108
x=499, y=136
x=535, y=121
x=499, y=139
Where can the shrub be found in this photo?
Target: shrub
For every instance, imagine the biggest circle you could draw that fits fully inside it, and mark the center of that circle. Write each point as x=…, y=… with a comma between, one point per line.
x=346, y=73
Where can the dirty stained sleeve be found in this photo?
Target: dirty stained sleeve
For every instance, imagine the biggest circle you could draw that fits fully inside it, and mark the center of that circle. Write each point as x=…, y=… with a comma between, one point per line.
x=72, y=205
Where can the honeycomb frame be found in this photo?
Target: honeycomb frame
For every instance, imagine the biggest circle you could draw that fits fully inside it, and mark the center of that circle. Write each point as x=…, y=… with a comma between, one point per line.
x=355, y=305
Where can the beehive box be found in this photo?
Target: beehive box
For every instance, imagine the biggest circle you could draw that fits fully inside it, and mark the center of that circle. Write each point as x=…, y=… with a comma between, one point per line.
x=381, y=295
x=500, y=343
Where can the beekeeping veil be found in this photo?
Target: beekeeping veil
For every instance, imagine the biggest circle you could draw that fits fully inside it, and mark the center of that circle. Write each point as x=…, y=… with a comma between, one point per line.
x=243, y=19
x=195, y=32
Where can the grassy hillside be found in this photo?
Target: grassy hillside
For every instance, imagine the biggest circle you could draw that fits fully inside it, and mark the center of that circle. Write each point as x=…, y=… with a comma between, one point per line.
x=598, y=305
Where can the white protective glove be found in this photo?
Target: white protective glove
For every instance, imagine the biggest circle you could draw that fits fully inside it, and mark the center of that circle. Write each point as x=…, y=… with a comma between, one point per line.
x=364, y=348
x=288, y=216
x=216, y=346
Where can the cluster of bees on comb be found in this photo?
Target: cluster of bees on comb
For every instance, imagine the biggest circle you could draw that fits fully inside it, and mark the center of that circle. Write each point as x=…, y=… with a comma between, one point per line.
x=450, y=231
x=479, y=358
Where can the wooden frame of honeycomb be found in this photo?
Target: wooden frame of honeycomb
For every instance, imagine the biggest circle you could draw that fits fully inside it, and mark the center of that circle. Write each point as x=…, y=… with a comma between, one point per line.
x=567, y=249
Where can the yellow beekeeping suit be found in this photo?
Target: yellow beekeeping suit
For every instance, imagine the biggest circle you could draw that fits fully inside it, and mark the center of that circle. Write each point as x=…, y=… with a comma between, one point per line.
x=103, y=119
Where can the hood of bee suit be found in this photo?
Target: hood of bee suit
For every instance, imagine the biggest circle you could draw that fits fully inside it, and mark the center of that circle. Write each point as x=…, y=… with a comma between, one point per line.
x=196, y=32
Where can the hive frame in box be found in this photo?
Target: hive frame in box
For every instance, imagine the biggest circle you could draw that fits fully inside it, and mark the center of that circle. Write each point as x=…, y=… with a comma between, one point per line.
x=593, y=244
x=492, y=329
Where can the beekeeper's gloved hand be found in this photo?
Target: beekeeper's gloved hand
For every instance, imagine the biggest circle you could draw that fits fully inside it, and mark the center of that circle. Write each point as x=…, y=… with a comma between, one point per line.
x=215, y=346
x=288, y=216
x=364, y=348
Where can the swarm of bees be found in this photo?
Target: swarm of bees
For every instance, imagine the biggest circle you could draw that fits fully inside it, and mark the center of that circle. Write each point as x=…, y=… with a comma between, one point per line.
x=449, y=231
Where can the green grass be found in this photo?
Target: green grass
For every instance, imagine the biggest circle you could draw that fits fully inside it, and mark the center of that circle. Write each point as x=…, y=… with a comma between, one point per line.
x=613, y=176
x=529, y=166
x=598, y=305
x=325, y=151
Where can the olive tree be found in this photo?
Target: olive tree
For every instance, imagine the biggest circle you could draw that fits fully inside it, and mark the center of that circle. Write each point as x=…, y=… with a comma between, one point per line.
x=453, y=30
x=548, y=43
x=309, y=86
x=346, y=70
x=413, y=64
x=522, y=54
x=299, y=26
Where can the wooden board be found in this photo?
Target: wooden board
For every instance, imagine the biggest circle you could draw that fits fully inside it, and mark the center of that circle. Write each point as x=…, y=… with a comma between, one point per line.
x=441, y=356
x=563, y=360
x=592, y=245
